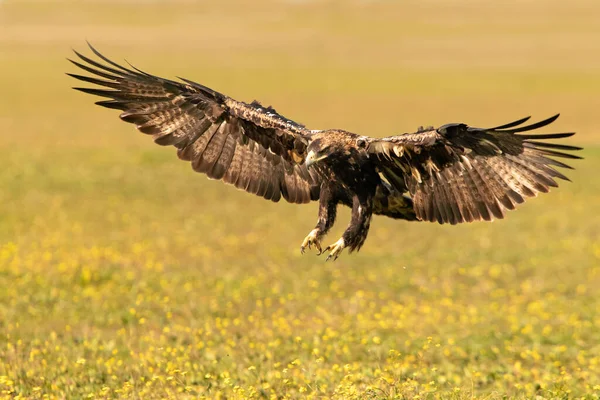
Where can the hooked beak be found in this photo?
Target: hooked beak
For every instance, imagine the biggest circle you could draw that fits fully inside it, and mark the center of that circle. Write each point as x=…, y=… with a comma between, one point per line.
x=312, y=158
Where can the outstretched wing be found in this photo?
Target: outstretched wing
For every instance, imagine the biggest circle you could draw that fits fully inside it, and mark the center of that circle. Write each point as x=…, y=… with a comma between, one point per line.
x=246, y=145
x=458, y=173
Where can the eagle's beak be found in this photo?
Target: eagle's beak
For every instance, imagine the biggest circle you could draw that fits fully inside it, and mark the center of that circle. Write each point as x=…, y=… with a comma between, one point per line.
x=312, y=158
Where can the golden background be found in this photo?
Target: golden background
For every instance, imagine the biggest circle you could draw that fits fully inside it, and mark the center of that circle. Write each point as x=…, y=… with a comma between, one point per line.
x=125, y=274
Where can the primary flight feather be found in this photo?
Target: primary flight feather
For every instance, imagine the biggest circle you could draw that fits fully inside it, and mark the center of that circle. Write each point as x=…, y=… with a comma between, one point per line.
x=455, y=173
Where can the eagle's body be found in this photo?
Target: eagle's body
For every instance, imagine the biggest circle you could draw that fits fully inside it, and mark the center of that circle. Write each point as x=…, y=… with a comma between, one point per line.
x=452, y=174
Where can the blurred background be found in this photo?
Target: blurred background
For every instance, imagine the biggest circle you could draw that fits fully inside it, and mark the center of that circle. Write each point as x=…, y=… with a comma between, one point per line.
x=124, y=273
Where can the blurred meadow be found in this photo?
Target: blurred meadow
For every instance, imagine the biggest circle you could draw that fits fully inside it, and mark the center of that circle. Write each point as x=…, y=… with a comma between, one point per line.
x=124, y=274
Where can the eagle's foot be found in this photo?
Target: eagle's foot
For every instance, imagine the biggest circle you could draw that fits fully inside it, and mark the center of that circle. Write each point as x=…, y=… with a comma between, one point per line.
x=335, y=249
x=312, y=239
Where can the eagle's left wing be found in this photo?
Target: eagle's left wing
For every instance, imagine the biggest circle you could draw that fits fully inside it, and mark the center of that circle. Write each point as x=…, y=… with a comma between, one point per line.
x=458, y=173
x=246, y=145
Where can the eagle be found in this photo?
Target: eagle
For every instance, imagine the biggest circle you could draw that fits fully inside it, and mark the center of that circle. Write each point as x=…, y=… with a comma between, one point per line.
x=451, y=174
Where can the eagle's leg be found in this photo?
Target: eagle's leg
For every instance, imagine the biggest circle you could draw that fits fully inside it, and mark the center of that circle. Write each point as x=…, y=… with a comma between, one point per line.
x=356, y=233
x=327, y=213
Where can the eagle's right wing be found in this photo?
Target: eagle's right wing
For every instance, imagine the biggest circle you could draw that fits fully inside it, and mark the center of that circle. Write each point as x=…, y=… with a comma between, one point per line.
x=246, y=145
x=458, y=173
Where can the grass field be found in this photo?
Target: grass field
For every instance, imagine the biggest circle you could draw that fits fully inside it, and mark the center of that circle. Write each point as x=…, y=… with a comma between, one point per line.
x=123, y=274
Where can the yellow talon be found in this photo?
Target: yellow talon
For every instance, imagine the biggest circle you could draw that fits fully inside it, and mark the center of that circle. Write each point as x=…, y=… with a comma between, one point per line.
x=335, y=249
x=312, y=239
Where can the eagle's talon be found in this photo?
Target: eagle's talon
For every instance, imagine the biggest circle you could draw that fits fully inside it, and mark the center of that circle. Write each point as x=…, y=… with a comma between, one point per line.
x=312, y=239
x=335, y=249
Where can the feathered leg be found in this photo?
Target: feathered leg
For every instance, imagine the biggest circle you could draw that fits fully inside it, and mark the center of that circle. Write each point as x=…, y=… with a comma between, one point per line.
x=356, y=233
x=327, y=213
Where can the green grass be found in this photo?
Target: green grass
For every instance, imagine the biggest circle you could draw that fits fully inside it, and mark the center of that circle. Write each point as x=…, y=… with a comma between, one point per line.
x=126, y=275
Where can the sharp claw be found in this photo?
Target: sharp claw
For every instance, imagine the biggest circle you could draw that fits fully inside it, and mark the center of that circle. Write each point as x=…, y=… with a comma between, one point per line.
x=335, y=250
x=311, y=240
x=324, y=250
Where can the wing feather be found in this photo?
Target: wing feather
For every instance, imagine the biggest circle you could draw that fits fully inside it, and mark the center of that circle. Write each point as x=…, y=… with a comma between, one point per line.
x=457, y=173
x=247, y=145
x=226, y=156
x=453, y=194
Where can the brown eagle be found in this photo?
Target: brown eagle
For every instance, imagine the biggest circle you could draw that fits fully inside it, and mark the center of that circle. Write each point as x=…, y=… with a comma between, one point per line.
x=455, y=173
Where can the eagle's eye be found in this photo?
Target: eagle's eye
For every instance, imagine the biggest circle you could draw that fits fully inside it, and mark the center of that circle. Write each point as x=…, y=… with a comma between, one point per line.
x=361, y=143
x=324, y=150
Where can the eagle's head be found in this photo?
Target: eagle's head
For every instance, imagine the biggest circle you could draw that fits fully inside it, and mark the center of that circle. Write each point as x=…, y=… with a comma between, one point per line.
x=332, y=145
x=318, y=150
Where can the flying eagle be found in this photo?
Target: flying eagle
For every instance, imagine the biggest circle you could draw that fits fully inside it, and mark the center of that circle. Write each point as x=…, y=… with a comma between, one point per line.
x=455, y=173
